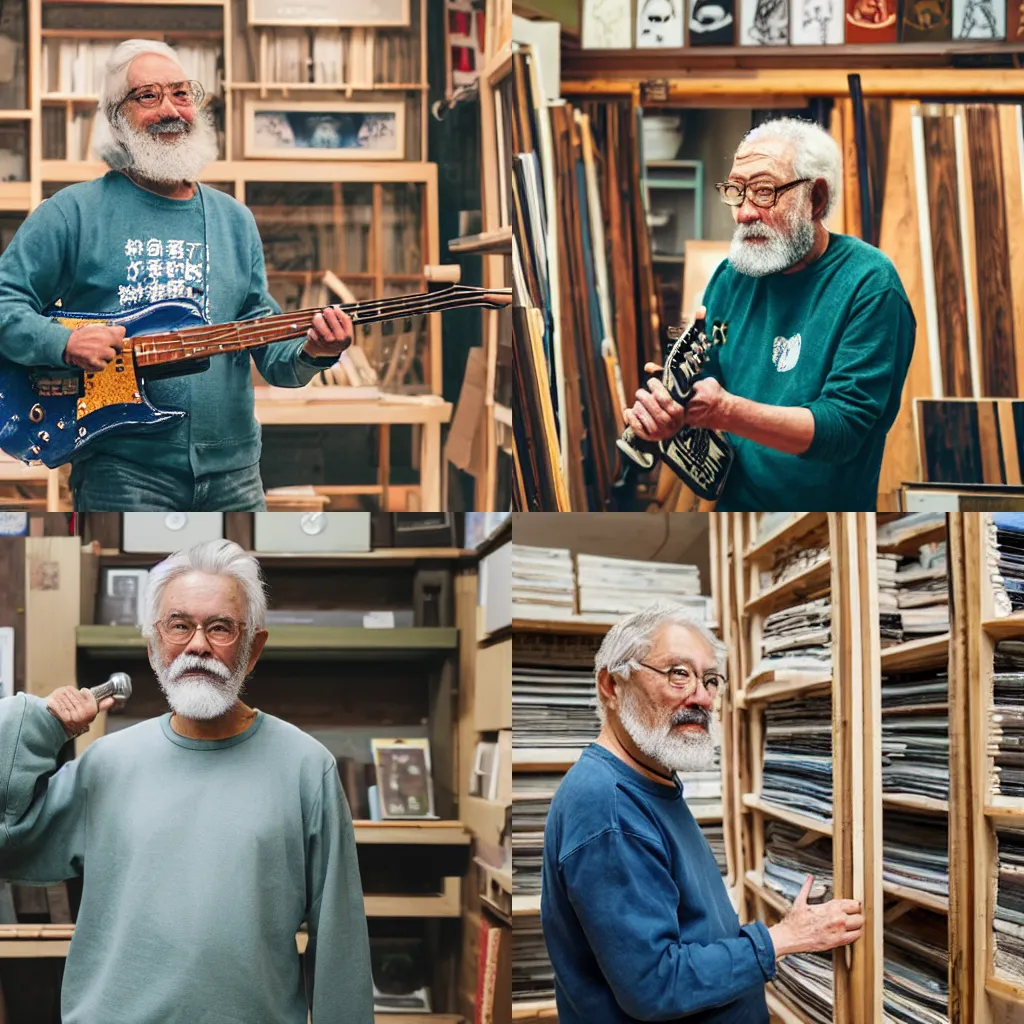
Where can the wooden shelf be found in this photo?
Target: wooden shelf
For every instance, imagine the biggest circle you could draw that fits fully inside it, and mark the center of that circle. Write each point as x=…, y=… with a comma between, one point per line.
x=412, y=833
x=1008, y=628
x=544, y=759
x=928, y=651
x=543, y=1010
x=1005, y=990
x=777, y=684
x=1006, y=807
x=913, y=802
x=784, y=814
x=383, y=557
x=339, y=406
x=780, y=1008
x=484, y=818
x=290, y=641
x=801, y=524
x=909, y=545
x=446, y=904
x=809, y=581
x=494, y=243
x=940, y=904
x=526, y=906
x=565, y=627
x=756, y=885
x=326, y=86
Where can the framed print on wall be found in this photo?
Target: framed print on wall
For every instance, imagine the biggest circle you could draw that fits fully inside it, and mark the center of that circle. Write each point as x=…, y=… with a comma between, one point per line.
x=339, y=13
x=324, y=130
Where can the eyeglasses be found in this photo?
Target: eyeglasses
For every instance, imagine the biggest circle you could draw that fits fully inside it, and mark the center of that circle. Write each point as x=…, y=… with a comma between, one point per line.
x=178, y=630
x=685, y=679
x=762, y=194
x=183, y=94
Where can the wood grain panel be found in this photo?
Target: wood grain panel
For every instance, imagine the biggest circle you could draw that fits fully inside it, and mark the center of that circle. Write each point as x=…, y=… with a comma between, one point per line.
x=1010, y=140
x=951, y=449
x=947, y=261
x=995, y=313
x=1008, y=429
x=992, y=469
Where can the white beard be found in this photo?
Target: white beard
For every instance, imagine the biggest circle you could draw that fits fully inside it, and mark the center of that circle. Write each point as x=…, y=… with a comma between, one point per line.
x=686, y=751
x=200, y=697
x=168, y=162
x=780, y=250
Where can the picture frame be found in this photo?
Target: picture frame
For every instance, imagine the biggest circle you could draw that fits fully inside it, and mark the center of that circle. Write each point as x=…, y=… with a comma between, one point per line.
x=324, y=130
x=335, y=13
x=405, y=786
x=123, y=597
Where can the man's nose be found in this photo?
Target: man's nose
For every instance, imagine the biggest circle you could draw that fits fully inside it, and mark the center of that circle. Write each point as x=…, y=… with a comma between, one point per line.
x=747, y=213
x=199, y=644
x=702, y=698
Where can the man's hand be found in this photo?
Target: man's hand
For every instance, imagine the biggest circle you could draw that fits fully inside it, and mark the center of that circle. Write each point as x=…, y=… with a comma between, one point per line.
x=809, y=929
x=76, y=709
x=330, y=334
x=93, y=346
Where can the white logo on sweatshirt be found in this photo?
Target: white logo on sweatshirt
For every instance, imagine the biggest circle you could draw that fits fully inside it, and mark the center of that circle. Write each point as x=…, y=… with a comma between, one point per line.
x=785, y=352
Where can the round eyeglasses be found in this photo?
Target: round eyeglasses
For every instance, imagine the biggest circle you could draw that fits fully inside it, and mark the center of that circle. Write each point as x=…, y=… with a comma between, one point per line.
x=685, y=679
x=762, y=194
x=178, y=630
x=183, y=94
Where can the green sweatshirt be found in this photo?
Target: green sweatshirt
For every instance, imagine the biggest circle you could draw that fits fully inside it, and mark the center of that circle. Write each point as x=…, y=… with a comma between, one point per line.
x=199, y=860
x=106, y=246
x=835, y=338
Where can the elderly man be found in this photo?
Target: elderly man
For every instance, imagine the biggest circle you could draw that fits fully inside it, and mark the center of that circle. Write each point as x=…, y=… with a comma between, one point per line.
x=820, y=337
x=636, y=917
x=143, y=232
x=204, y=838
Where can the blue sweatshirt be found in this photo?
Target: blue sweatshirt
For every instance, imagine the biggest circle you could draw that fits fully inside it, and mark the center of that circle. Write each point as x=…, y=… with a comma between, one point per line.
x=199, y=861
x=107, y=246
x=636, y=918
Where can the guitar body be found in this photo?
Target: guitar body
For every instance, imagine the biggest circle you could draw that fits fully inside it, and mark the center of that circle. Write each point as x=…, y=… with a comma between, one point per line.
x=51, y=415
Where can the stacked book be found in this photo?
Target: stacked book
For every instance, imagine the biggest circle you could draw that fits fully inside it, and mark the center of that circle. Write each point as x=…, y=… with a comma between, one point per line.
x=915, y=734
x=896, y=531
x=915, y=851
x=533, y=978
x=531, y=802
x=1006, y=732
x=703, y=790
x=915, y=986
x=799, y=637
x=789, y=859
x=806, y=980
x=1009, y=914
x=889, y=621
x=543, y=583
x=797, y=772
x=1005, y=537
x=610, y=588
x=715, y=835
x=923, y=597
x=553, y=707
x=791, y=562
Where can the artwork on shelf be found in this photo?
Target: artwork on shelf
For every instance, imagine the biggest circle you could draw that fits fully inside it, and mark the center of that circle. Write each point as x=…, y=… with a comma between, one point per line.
x=979, y=19
x=659, y=24
x=606, y=24
x=404, y=784
x=763, y=23
x=926, y=21
x=464, y=43
x=817, y=22
x=13, y=524
x=871, y=21
x=123, y=597
x=324, y=130
x=344, y=13
x=712, y=22
x=1015, y=21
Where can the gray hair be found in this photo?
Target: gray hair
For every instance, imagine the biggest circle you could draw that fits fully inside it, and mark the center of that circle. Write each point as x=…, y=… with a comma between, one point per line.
x=630, y=640
x=216, y=558
x=113, y=90
x=815, y=153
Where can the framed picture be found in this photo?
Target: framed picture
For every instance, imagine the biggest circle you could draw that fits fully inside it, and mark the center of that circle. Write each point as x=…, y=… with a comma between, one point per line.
x=123, y=597
x=342, y=13
x=404, y=784
x=324, y=130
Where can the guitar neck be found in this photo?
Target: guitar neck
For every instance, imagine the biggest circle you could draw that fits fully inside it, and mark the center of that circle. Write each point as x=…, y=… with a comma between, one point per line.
x=203, y=342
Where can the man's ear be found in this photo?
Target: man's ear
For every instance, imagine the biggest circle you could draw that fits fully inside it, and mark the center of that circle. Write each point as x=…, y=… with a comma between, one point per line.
x=258, y=643
x=819, y=199
x=606, y=684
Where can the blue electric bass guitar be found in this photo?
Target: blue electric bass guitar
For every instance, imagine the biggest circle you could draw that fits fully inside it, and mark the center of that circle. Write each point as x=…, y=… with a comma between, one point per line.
x=50, y=415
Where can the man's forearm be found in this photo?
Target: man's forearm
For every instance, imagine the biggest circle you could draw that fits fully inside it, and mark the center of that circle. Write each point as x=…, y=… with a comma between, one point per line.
x=782, y=427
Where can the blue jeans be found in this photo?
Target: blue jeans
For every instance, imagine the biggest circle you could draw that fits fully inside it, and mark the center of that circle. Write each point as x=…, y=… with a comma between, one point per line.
x=107, y=484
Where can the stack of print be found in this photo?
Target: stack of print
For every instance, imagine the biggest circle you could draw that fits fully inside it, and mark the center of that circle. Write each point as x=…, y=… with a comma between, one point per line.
x=923, y=598
x=1006, y=735
x=915, y=851
x=1006, y=557
x=806, y=980
x=799, y=637
x=915, y=734
x=789, y=858
x=1008, y=958
x=543, y=583
x=915, y=985
x=798, y=756
x=610, y=588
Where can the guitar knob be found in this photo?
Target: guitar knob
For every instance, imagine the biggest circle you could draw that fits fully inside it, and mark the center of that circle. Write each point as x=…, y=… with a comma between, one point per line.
x=36, y=414
x=43, y=436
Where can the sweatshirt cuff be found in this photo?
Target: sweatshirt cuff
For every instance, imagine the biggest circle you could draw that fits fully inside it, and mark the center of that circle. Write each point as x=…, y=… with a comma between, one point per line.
x=827, y=443
x=50, y=345
x=764, y=948
x=37, y=706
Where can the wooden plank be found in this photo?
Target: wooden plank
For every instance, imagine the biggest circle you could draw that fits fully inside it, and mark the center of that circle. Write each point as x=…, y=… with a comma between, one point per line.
x=965, y=191
x=1011, y=141
x=1009, y=436
x=950, y=442
x=995, y=297
x=947, y=262
x=988, y=439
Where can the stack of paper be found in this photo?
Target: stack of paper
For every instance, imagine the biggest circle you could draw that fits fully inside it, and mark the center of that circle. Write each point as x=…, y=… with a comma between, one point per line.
x=1009, y=914
x=715, y=835
x=770, y=522
x=543, y=583
x=797, y=769
x=1005, y=536
x=915, y=986
x=702, y=791
x=531, y=802
x=806, y=980
x=1006, y=732
x=915, y=734
x=889, y=621
x=791, y=562
x=789, y=859
x=923, y=597
x=915, y=851
x=898, y=530
x=553, y=707
x=533, y=978
x=799, y=637
x=610, y=588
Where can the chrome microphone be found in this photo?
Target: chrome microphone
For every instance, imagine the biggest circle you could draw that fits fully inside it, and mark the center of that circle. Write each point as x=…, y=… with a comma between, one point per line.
x=118, y=686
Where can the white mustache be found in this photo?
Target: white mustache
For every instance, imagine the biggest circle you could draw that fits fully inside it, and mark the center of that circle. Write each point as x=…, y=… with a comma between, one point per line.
x=185, y=664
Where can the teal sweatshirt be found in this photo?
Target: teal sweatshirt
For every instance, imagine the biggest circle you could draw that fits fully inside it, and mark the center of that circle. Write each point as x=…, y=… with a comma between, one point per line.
x=835, y=338
x=199, y=860
x=107, y=246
